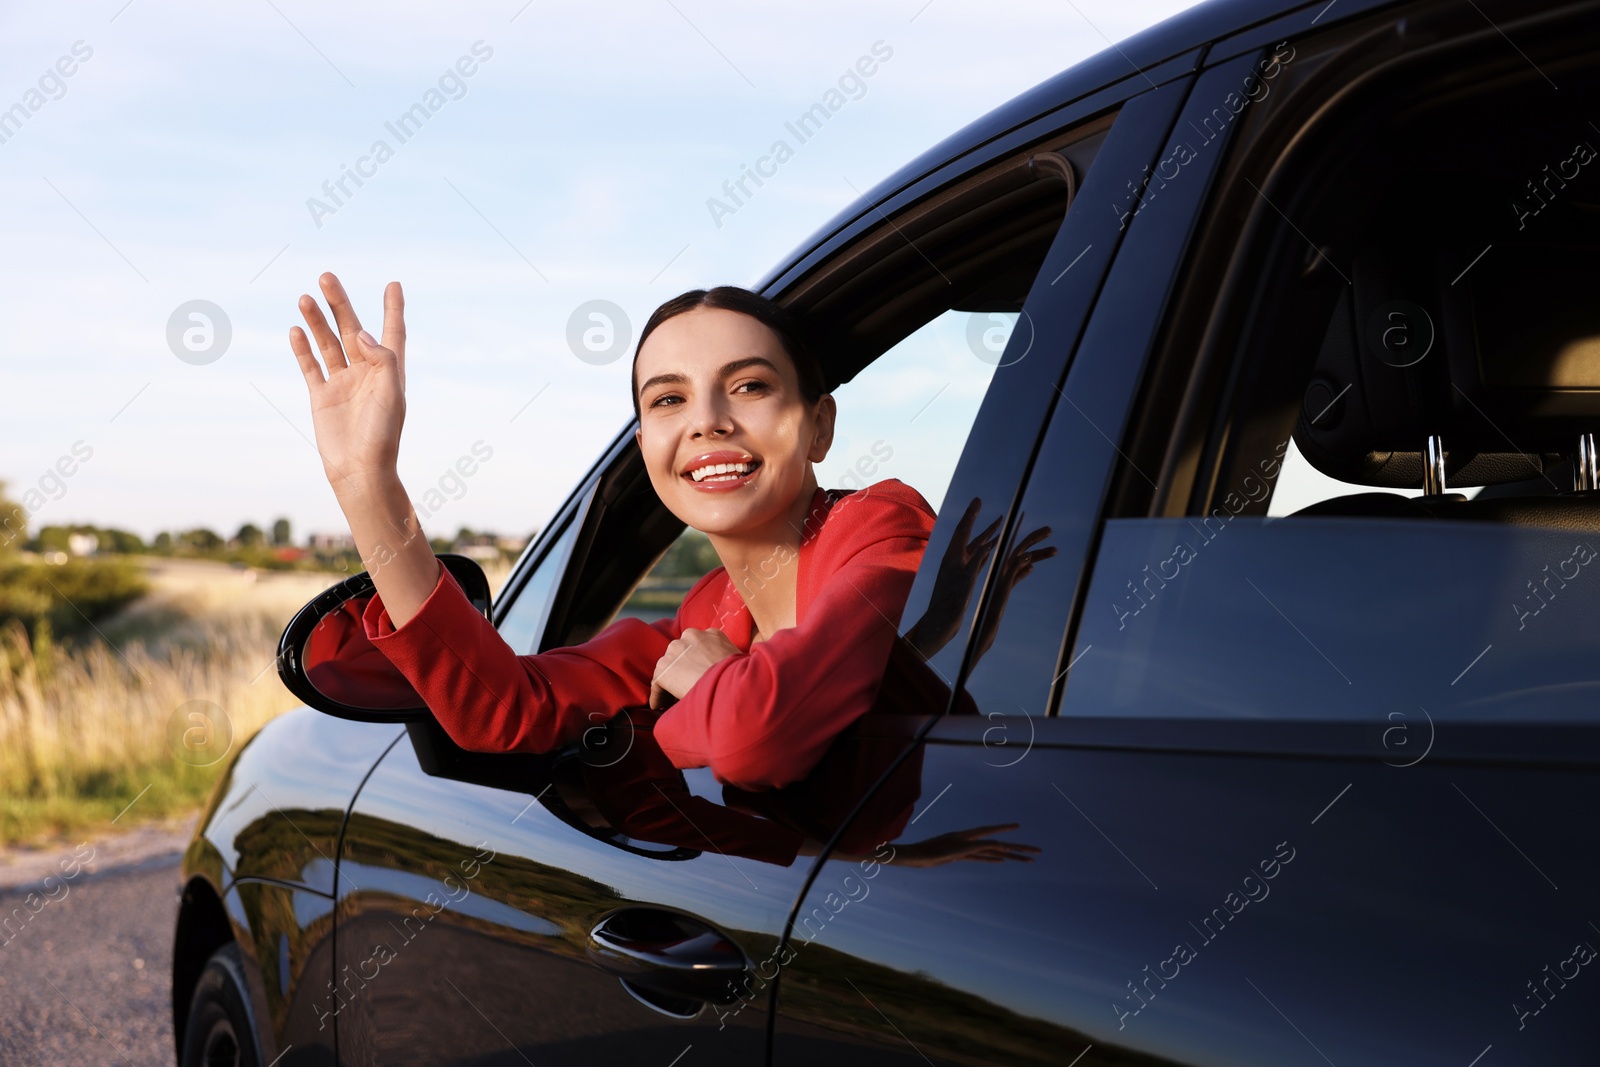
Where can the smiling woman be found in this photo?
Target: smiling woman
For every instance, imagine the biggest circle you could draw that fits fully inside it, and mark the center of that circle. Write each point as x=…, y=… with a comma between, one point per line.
x=694, y=407
x=769, y=656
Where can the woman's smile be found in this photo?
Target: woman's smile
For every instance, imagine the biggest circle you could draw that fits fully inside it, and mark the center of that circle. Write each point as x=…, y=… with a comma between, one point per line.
x=721, y=471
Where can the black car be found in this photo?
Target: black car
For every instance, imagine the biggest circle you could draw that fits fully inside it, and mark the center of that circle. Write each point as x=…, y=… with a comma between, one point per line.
x=1318, y=785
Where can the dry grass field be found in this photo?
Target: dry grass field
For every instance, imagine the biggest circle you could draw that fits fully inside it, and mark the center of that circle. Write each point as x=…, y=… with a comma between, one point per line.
x=132, y=727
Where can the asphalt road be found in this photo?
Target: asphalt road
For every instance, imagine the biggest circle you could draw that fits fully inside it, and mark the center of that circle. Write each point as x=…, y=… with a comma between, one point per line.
x=85, y=972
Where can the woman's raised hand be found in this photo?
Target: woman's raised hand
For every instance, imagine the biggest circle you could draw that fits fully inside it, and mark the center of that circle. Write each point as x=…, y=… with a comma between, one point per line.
x=358, y=406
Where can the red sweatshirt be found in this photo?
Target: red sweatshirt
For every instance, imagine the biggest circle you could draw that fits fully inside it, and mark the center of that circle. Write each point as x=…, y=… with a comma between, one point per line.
x=759, y=719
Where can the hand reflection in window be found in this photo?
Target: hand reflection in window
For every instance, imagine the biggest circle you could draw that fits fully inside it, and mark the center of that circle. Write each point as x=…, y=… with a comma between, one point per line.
x=963, y=562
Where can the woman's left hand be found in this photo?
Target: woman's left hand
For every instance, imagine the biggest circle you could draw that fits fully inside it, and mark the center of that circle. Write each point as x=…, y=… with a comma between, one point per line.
x=685, y=660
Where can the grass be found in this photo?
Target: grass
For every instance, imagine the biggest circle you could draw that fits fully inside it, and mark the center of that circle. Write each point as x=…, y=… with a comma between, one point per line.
x=94, y=736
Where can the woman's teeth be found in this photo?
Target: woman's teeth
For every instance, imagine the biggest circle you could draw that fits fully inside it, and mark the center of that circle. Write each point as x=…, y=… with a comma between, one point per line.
x=721, y=472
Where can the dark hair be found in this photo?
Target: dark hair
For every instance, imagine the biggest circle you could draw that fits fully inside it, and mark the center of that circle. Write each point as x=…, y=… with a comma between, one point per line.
x=790, y=333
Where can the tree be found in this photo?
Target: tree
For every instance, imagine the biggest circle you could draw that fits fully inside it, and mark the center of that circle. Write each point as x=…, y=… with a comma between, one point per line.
x=690, y=556
x=249, y=534
x=120, y=542
x=280, y=532
x=51, y=539
x=13, y=522
x=201, y=540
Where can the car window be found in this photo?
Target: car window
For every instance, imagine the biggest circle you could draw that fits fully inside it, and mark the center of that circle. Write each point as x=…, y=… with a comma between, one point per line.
x=1037, y=553
x=1300, y=485
x=912, y=319
x=1333, y=619
x=908, y=413
x=905, y=416
x=522, y=625
x=661, y=591
x=915, y=319
x=1370, y=502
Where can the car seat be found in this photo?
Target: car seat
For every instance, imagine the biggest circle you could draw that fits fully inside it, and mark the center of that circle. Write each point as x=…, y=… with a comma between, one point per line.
x=1492, y=379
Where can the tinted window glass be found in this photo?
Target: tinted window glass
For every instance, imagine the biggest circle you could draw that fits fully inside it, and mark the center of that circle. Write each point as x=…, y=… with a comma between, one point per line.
x=1327, y=619
x=523, y=624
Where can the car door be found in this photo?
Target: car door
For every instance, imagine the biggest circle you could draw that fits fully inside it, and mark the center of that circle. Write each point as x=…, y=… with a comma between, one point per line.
x=479, y=891
x=1260, y=841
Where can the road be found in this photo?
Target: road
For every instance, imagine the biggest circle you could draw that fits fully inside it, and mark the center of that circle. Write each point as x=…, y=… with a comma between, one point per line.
x=85, y=972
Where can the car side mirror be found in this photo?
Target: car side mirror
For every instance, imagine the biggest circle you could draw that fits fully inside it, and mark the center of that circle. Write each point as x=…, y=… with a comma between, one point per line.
x=325, y=659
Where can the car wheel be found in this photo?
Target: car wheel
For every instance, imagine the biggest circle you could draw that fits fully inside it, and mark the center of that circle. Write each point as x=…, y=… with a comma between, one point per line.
x=221, y=1029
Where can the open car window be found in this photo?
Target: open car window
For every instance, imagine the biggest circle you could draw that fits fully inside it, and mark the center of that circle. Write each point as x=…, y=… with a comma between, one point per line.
x=1300, y=485
x=913, y=319
x=905, y=416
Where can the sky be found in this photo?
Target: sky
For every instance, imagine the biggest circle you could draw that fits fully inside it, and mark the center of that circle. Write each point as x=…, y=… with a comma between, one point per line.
x=175, y=186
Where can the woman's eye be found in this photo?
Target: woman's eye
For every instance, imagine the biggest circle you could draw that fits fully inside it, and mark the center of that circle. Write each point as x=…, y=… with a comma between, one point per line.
x=755, y=385
x=660, y=400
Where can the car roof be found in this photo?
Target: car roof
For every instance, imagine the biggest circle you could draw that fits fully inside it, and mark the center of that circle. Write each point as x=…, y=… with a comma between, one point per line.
x=1189, y=29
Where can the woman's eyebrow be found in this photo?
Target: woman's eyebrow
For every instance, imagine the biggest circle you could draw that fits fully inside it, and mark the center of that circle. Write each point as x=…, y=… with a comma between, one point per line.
x=662, y=379
x=749, y=361
x=731, y=367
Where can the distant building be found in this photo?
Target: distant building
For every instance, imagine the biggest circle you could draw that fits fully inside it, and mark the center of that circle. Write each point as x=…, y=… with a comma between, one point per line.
x=330, y=542
x=486, y=547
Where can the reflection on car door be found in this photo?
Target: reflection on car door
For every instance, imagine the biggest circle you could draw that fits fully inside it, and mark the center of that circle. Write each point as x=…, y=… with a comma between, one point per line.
x=487, y=923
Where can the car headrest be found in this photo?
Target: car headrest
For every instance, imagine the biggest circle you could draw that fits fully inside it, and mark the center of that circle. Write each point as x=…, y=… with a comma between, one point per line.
x=1500, y=360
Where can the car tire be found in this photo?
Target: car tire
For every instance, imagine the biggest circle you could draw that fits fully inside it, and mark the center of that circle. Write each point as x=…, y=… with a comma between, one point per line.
x=221, y=1028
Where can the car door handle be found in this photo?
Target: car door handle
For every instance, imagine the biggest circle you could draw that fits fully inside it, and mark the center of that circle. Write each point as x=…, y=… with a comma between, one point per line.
x=668, y=954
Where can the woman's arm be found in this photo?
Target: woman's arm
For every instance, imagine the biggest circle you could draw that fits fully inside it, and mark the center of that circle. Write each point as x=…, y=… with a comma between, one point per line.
x=490, y=699
x=357, y=409
x=487, y=698
x=763, y=719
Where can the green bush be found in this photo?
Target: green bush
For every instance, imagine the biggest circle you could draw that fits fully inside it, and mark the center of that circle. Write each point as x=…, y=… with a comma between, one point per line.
x=69, y=597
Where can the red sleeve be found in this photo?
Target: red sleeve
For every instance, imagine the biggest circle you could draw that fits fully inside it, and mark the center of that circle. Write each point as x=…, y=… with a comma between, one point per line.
x=763, y=719
x=489, y=699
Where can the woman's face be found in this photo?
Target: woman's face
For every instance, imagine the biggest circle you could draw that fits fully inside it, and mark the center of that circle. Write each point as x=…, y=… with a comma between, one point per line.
x=717, y=388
